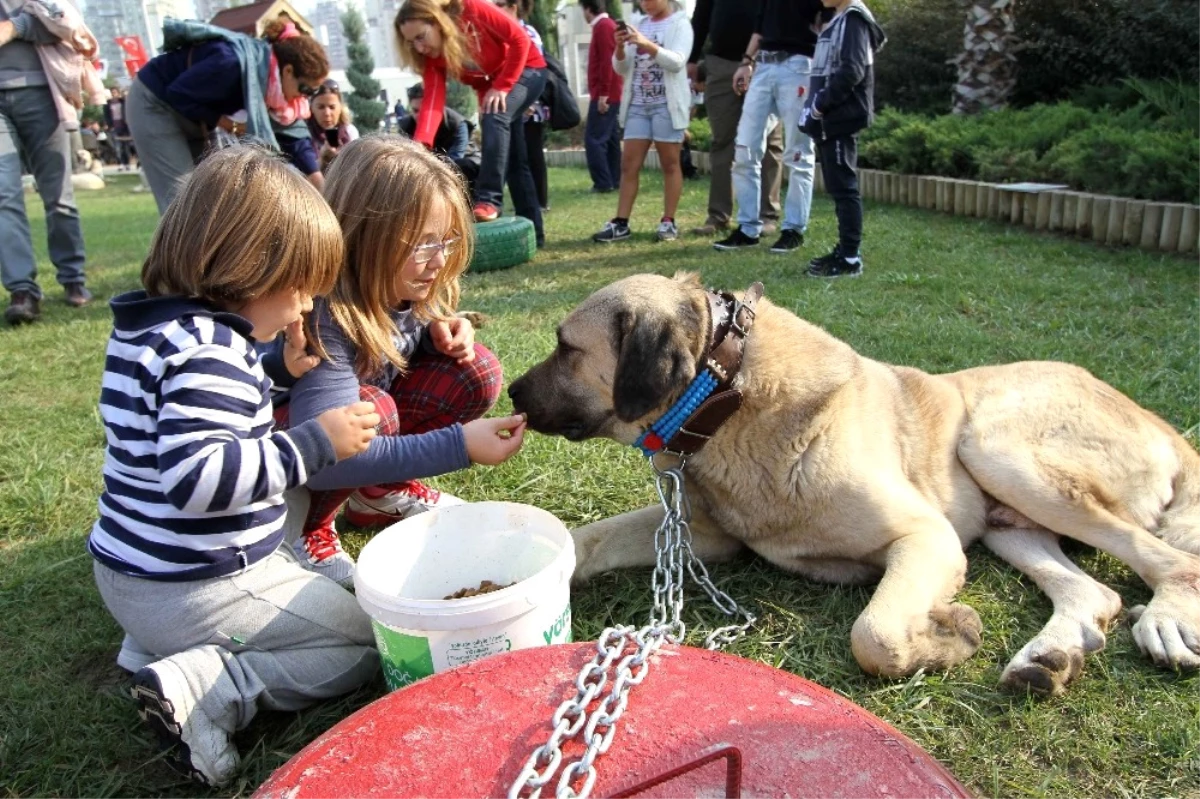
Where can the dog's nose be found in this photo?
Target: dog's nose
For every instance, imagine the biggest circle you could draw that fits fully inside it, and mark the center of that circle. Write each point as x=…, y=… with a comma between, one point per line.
x=516, y=393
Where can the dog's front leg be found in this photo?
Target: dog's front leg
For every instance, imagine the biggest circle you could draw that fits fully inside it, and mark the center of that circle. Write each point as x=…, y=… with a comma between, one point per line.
x=911, y=622
x=628, y=540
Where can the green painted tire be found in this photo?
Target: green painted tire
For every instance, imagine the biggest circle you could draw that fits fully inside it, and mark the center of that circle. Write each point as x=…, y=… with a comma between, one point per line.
x=504, y=243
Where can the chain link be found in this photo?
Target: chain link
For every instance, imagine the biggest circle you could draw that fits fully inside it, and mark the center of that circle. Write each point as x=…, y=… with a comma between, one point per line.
x=673, y=549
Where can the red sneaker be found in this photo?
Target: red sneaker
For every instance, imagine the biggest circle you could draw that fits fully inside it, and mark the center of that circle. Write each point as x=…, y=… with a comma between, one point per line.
x=372, y=507
x=321, y=551
x=485, y=212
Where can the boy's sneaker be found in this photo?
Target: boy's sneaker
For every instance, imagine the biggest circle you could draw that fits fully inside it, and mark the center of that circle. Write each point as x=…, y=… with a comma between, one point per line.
x=789, y=240
x=195, y=745
x=736, y=241
x=372, y=507
x=667, y=231
x=485, y=212
x=320, y=551
x=835, y=265
x=612, y=231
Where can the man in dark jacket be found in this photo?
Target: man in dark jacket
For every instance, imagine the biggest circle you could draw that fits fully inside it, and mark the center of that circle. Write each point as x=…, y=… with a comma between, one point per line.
x=841, y=102
x=452, y=138
x=729, y=24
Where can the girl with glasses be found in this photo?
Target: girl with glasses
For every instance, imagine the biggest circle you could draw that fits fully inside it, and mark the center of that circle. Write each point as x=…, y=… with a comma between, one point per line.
x=477, y=44
x=204, y=77
x=388, y=334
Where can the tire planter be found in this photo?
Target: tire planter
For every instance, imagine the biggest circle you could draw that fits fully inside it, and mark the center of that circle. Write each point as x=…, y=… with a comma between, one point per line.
x=503, y=243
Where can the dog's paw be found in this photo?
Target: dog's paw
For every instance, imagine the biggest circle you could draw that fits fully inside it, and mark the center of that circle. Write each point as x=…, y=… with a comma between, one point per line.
x=1168, y=629
x=957, y=630
x=947, y=636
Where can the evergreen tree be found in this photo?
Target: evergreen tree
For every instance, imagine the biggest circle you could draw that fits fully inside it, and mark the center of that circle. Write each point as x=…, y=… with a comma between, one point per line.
x=364, y=103
x=461, y=98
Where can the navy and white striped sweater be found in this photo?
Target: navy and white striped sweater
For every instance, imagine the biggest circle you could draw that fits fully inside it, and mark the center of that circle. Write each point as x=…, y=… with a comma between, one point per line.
x=193, y=474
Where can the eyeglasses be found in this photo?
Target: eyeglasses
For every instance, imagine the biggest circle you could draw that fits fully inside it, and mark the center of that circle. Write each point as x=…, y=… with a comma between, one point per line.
x=329, y=87
x=424, y=253
x=308, y=91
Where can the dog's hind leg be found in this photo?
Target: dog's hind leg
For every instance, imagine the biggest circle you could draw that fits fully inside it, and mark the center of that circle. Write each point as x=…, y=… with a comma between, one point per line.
x=1083, y=608
x=628, y=540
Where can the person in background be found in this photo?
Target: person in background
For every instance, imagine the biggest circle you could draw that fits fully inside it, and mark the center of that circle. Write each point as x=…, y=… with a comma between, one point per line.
x=114, y=118
x=537, y=113
x=727, y=25
x=477, y=44
x=656, y=106
x=220, y=620
x=452, y=139
x=841, y=102
x=330, y=125
x=206, y=76
x=387, y=333
x=774, y=77
x=602, y=133
x=33, y=125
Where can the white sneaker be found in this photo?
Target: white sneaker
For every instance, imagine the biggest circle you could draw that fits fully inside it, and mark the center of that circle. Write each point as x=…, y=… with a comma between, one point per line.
x=667, y=231
x=320, y=551
x=196, y=746
x=371, y=507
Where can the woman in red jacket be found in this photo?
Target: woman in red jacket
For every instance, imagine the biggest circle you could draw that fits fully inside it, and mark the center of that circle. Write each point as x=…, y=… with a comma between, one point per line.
x=479, y=45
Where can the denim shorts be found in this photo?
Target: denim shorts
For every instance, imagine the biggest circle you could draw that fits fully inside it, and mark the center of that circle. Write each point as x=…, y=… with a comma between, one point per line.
x=652, y=122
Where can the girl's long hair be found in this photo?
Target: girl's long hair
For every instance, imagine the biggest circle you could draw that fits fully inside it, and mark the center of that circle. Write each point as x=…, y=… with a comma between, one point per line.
x=443, y=15
x=382, y=190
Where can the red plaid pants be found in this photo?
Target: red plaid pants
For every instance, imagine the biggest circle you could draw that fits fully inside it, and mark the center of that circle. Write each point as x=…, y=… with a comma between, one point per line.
x=435, y=392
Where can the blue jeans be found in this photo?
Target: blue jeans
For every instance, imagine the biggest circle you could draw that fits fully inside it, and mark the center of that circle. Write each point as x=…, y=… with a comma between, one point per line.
x=775, y=89
x=602, y=145
x=29, y=124
x=504, y=157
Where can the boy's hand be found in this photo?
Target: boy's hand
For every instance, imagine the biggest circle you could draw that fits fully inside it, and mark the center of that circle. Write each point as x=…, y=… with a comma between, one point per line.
x=350, y=428
x=295, y=350
x=454, y=338
x=493, y=441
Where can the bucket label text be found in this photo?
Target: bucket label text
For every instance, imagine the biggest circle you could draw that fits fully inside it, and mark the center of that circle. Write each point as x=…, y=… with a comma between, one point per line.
x=555, y=633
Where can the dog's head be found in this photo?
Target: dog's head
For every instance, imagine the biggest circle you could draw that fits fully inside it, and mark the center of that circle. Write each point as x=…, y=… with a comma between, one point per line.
x=624, y=355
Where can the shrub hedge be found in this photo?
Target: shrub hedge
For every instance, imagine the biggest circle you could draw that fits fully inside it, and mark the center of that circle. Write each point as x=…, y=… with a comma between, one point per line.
x=1144, y=150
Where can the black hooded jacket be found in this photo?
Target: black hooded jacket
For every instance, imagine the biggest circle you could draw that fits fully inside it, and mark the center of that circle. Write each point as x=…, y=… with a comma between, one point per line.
x=842, y=88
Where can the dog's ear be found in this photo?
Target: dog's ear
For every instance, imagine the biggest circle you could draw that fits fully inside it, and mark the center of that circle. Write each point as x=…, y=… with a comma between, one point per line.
x=653, y=358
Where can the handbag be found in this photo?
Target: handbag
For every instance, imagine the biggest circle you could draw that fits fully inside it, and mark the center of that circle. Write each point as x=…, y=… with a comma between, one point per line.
x=558, y=97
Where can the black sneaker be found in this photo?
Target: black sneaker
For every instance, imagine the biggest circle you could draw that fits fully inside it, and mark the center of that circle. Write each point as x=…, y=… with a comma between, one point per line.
x=735, y=241
x=788, y=240
x=612, y=231
x=24, y=307
x=820, y=260
x=835, y=265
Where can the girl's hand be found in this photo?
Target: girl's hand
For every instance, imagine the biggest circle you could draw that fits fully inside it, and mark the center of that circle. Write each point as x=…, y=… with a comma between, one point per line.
x=495, y=101
x=296, y=356
x=493, y=441
x=351, y=428
x=454, y=338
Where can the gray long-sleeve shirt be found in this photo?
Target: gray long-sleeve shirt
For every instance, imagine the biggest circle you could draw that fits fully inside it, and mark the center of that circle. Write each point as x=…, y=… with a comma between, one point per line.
x=20, y=66
x=388, y=459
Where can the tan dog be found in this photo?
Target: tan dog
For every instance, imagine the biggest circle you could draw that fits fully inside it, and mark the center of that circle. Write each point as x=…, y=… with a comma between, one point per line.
x=849, y=470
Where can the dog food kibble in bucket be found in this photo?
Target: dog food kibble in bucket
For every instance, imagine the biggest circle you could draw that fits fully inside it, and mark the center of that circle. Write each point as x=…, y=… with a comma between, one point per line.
x=485, y=587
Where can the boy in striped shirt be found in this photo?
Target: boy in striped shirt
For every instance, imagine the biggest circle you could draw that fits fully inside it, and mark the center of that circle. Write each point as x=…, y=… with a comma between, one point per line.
x=218, y=616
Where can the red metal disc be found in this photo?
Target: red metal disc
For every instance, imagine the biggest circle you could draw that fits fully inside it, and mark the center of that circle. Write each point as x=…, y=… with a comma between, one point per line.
x=469, y=731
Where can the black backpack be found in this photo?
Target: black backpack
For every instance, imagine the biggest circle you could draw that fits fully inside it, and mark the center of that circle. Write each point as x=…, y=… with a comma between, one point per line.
x=558, y=97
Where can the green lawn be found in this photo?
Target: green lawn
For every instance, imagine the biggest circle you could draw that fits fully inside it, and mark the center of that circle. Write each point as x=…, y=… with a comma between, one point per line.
x=939, y=293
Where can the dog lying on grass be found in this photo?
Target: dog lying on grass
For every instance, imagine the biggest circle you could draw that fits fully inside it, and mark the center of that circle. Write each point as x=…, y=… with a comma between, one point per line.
x=849, y=470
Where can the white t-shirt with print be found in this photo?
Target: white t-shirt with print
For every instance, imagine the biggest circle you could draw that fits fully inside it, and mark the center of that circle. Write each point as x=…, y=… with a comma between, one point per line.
x=649, y=84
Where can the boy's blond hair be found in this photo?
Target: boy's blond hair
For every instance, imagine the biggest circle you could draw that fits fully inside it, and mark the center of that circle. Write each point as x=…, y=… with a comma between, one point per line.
x=382, y=190
x=245, y=224
x=443, y=15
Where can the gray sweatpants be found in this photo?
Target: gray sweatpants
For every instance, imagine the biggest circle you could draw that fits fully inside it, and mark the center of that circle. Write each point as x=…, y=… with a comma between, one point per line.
x=168, y=145
x=275, y=635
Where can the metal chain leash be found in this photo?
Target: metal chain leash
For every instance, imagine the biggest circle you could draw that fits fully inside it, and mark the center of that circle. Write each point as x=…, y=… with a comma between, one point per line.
x=673, y=548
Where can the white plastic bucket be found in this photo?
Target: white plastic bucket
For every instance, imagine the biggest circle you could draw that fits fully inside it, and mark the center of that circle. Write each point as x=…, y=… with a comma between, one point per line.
x=405, y=572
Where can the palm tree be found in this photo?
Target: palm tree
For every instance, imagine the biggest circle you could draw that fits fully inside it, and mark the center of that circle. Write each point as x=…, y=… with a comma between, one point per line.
x=986, y=65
